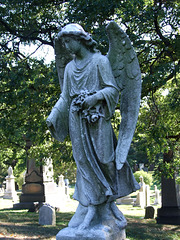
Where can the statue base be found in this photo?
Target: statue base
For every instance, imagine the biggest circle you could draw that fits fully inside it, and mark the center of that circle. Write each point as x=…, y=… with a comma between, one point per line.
x=107, y=224
x=93, y=234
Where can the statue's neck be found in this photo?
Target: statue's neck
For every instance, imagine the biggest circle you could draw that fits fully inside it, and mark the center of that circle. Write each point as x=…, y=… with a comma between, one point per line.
x=83, y=57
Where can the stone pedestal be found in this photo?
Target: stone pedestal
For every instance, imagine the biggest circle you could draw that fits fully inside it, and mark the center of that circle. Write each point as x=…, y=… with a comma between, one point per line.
x=107, y=224
x=10, y=192
x=94, y=234
x=169, y=213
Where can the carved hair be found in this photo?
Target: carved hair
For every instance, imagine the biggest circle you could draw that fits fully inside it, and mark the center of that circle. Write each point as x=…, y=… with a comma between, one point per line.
x=77, y=32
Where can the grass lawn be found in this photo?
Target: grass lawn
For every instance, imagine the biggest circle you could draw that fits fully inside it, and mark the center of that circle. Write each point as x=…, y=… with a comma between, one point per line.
x=21, y=224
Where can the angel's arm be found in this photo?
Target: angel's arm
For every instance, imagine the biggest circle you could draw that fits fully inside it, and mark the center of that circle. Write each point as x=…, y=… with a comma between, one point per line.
x=109, y=88
x=57, y=121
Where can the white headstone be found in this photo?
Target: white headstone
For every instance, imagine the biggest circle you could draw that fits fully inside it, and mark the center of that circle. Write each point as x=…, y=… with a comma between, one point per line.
x=143, y=196
x=61, y=183
x=157, y=197
x=48, y=172
x=54, y=195
x=10, y=192
x=141, y=166
x=147, y=195
x=66, y=182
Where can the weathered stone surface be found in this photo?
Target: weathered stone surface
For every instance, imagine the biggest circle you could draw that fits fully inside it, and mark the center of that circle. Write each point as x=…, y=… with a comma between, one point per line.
x=33, y=188
x=98, y=233
x=91, y=86
x=32, y=198
x=149, y=212
x=47, y=215
x=108, y=224
x=169, y=213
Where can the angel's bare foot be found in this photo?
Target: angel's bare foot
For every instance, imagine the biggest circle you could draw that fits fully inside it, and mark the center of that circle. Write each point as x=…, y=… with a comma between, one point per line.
x=88, y=218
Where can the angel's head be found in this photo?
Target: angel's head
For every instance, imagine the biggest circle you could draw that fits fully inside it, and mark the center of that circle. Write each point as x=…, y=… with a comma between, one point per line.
x=76, y=32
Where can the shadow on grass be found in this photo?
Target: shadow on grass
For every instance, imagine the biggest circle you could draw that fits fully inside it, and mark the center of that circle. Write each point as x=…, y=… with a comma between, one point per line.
x=147, y=229
x=25, y=223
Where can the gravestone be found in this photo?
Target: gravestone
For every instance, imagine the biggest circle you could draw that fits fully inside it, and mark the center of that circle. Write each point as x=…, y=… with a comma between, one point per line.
x=128, y=200
x=50, y=188
x=157, y=196
x=66, y=181
x=54, y=195
x=40, y=187
x=10, y=192
x=141, y=196
x=147, y=195
x=62, y=197
x=149, y=212
x=33, y=188
x=169, y=213
x=47, y=215
x=141, y=166
x=61, y=183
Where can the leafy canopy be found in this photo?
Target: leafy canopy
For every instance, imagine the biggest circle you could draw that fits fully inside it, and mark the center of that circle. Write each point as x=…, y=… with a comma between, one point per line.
x=29, y=87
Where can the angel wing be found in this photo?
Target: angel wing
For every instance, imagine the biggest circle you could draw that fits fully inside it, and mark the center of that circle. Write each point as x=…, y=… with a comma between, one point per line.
x=126, y=70
x=62, y=57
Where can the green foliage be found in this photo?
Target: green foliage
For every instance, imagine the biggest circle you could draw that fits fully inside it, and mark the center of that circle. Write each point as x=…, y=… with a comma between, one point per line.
x=159, y=125
x=20, y=179
x=29, y=88
x=178, y=180
x=146, y=176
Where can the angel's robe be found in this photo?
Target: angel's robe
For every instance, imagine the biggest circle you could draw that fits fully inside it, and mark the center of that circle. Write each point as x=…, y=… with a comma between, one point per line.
x=93, y=140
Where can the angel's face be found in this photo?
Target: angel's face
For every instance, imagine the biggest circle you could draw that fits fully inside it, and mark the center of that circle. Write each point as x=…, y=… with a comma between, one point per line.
x=72, y=45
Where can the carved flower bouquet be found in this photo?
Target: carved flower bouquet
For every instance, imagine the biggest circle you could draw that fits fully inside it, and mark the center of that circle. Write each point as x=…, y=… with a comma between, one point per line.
x=91, y=114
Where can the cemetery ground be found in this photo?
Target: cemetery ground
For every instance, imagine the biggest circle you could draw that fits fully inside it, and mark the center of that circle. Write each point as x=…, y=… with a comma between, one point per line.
x=21, y=224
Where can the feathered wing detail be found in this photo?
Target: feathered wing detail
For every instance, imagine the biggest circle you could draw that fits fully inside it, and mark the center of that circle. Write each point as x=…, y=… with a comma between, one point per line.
x=62, y=57
x=126, y=70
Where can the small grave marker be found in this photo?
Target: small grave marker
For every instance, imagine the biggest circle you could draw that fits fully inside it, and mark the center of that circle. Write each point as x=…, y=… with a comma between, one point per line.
x=47, y=215
x=149, y=212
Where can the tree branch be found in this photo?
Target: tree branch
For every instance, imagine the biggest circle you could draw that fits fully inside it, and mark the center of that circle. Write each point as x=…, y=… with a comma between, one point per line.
x=156, y=24
x=16, y=53
x=26, y=37
x=177, y=137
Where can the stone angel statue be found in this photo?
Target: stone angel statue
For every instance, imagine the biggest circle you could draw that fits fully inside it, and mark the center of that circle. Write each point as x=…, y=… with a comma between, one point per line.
x=91, y=85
